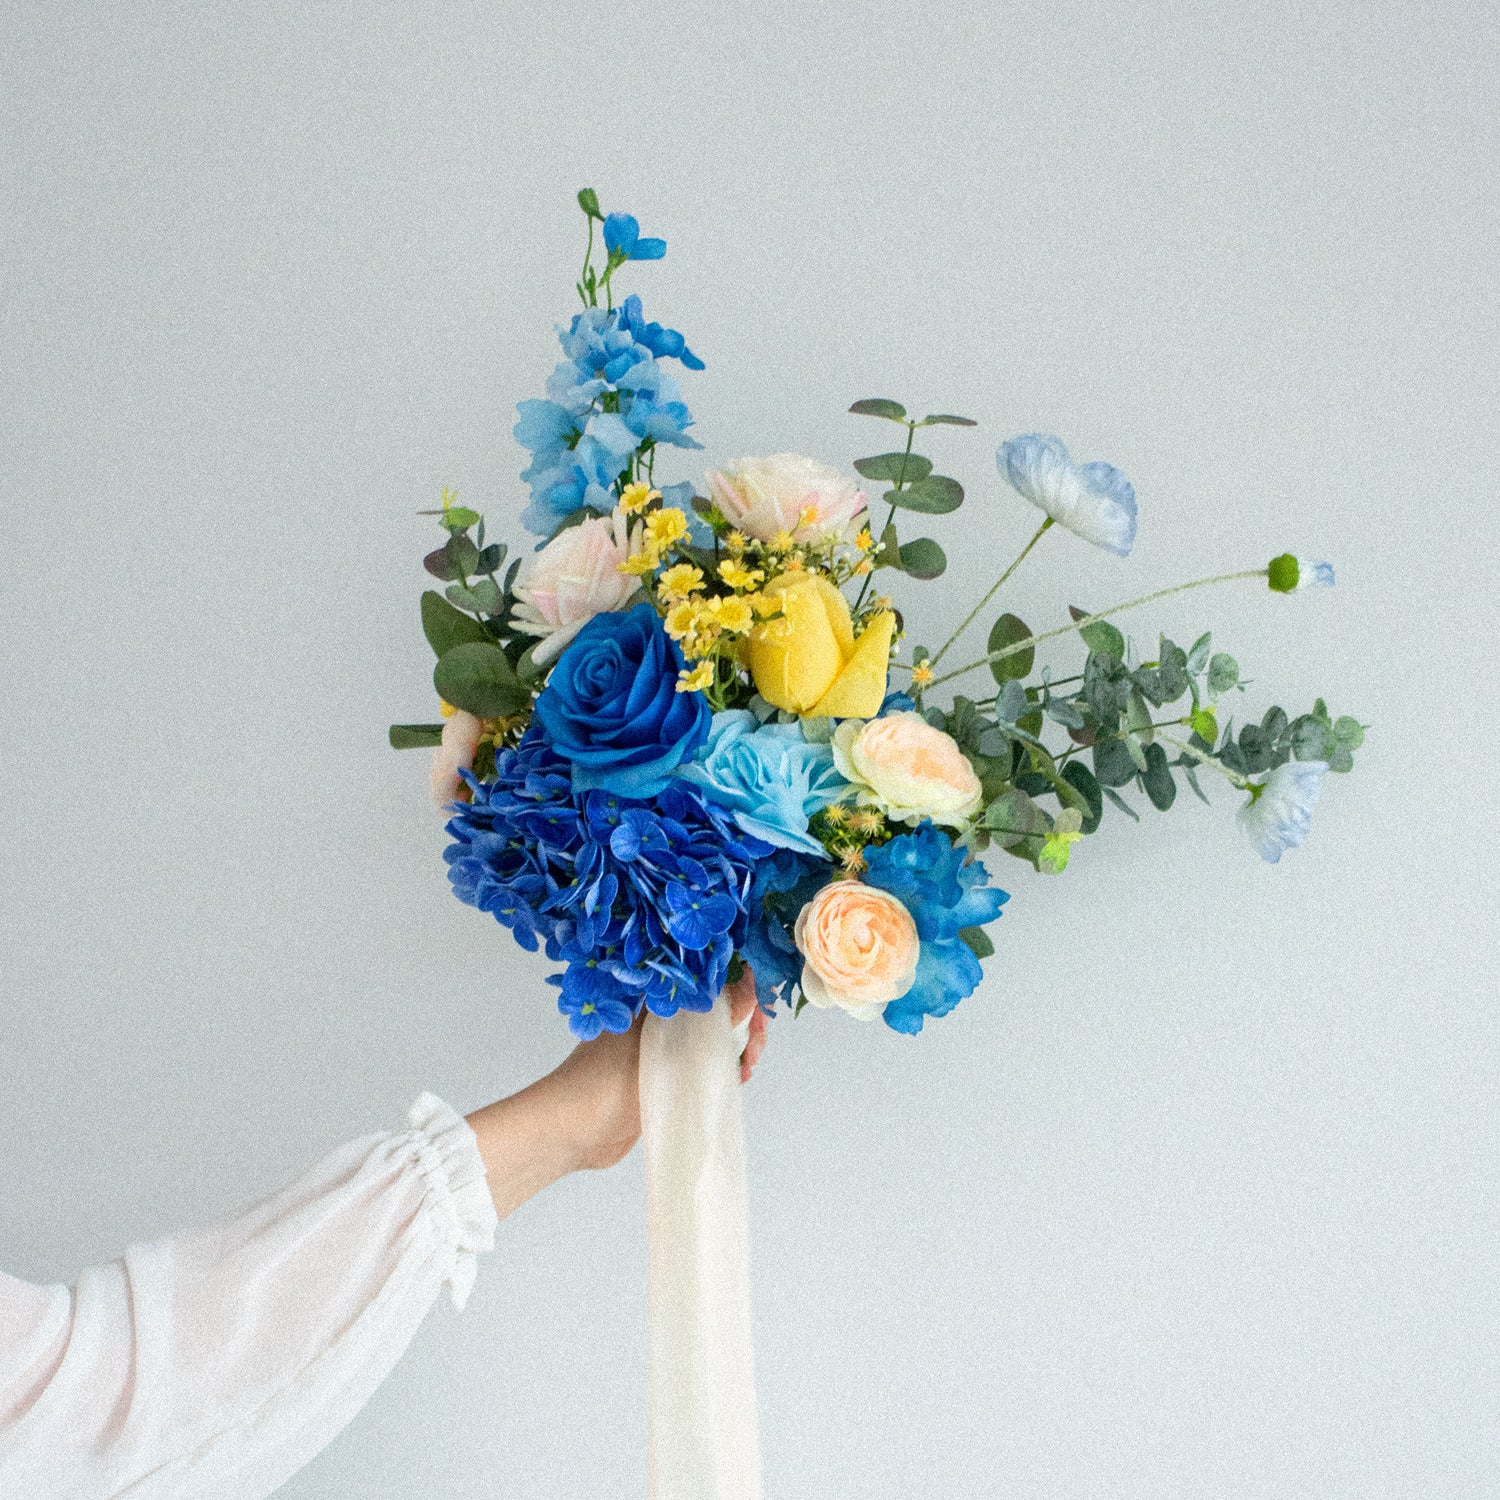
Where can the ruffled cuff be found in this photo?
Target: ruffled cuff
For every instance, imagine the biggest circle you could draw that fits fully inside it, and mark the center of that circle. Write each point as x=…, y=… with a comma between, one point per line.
x=459, y=1204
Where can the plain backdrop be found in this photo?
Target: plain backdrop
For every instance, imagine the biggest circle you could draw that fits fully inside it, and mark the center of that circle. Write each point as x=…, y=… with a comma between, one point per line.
x=1197, y=1195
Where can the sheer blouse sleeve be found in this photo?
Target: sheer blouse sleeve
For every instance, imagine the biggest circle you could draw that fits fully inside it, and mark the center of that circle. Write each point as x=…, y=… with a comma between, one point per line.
x=217, y=1361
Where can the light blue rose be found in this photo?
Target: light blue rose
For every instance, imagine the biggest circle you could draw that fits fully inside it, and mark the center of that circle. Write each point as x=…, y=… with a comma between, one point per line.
x=770, y=778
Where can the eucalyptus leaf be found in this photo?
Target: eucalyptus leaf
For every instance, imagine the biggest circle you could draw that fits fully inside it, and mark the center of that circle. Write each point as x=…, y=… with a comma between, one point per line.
x=1103, y=638
x=895, y=468
x=877, y=407
x=479, y=678
x=817, y=731
x=923, y=558
x=415, y=736
x=993, y=743
x=1160, y=786
x=1066, y=712
x=943, y=418
x=1008, y=631
x=762, y=709
x=1011, y=703
x=527, y=668
x=441, y=565
x=1223, y=673
x=1136, y=751
x=1198, y=655
x=1122, y=804
x=482, y=597
x=446, y=627
x=1205, y=724
x=977, y=940
x=1088, y=786
x=491, y=557
x=1349, y=733
x=458, y=518
x=1192, y=781
x=1113, y=764
x=935, y=495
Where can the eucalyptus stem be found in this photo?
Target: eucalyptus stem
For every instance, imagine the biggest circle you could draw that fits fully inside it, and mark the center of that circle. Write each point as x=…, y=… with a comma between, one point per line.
x=911, y=432
x=974, y=613
x=1017, y=647
x=1204, y=758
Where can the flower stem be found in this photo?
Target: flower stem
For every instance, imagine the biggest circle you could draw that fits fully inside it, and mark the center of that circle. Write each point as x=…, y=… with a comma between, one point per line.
x=911, y=432
x=993, y=591
x=1204, y=758
x=1017, y=647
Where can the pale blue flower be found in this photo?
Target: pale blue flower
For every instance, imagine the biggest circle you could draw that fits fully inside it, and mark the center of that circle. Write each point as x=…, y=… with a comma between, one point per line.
x=622, y=237
x=768, y=777
x=1094, y=501
x=1316, y=575
x=1277, y=814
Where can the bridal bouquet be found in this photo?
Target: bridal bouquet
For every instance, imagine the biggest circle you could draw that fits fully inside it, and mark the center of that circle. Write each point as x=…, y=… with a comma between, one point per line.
x=690, y=732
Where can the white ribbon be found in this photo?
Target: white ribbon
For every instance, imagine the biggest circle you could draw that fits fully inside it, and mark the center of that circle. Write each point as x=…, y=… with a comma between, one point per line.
x=704, y=1443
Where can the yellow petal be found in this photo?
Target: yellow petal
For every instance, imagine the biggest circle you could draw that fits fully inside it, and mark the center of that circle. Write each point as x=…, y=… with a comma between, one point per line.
x=859, y=690
x=795, y=659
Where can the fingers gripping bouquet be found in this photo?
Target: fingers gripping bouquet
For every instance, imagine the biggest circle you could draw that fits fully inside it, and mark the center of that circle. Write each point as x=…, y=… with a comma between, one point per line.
x=689, y=733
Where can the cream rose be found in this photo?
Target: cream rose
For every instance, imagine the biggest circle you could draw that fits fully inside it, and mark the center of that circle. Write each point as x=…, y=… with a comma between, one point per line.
x=456, y=753
x=908, y=769
x=764, y=496
x=573, y=578
x=859, y=947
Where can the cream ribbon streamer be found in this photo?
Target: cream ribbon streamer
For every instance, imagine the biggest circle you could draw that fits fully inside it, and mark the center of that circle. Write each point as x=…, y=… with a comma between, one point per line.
x=703, y=1443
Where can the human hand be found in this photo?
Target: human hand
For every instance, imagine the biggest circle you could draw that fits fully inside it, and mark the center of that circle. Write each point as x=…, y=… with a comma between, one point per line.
x=585, y=1113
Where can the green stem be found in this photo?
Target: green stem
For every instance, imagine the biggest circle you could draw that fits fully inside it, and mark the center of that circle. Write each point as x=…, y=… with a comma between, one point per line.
x=1017, y=647
x=1204, y=758
x=911, y=432
x=973, y=613
x=583, y=276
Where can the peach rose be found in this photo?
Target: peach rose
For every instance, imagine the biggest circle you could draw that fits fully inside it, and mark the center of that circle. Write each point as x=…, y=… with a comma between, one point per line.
x=573, y=578
x=456, y=753
x=908, y=769
x=786, y=492
x=859, y=947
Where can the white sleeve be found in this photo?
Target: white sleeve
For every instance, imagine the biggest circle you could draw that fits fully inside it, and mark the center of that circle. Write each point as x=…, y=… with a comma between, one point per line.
x=217, y=1361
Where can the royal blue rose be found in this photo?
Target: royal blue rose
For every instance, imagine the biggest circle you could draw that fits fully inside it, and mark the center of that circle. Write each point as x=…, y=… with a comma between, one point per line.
x=611, y=707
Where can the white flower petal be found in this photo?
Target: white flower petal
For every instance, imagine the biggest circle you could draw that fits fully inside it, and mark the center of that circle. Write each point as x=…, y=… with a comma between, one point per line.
x=1094, y=501
x=1278, y=819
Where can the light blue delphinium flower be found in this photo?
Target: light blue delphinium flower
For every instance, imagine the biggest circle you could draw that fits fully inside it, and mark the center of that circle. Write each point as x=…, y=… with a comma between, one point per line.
x=1288, y=572
x=769, y=777
x=571, y=480
x=622, y=238
x=1280, y=807
x=1094, y=501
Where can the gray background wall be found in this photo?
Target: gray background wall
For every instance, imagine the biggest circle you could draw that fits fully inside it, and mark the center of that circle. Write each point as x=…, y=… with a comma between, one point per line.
x=1196, y=1196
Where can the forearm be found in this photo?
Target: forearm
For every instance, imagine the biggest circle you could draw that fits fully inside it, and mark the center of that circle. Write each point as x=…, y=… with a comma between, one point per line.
x=527, y=1142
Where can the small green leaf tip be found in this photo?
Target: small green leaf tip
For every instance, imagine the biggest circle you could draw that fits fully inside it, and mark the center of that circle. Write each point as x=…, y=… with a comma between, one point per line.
x=1284, y=573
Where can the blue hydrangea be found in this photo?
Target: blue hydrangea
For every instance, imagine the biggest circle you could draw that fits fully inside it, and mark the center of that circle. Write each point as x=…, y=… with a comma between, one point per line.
x=644, y=903
x=579, y=450
x=784, y=883
x=928, y=875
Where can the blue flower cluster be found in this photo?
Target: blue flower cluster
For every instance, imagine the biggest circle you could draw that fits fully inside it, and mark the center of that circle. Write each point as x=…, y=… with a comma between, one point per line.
x=944, y=894
x=609, y=397
x=645, y=903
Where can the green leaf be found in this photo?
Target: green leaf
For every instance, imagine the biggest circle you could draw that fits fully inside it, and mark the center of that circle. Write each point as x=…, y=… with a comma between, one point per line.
x=1122, y=804
x=1341, y=759
x=876, y=407
x=482, y=597
x=977, y=940
x=1192, y=781
x=935, y=495
x=416, y=736
x=1223, y=672
x=944, y=418
x=1205, y=724
x=817, y=731
x=458, y=518
x=1160, y=786
x=441, y=563
x=888, y=554
x=478, y=677
x=446, y=627
x=895, y=468
x=1013, y=816
x=1136, y=751
x=490, y=558
x=1312, y=739
x=1101, y=637
x=1138, y=717
x=923, y=558
x=1008, y=630
x=1113, y=765
x=527, y=669
x=588, y=201
x=1349, y=733
x=1198, y=656
x=1084, y=780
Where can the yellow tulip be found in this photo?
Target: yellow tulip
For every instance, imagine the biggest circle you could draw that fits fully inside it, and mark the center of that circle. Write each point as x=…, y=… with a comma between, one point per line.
x=808, y=662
